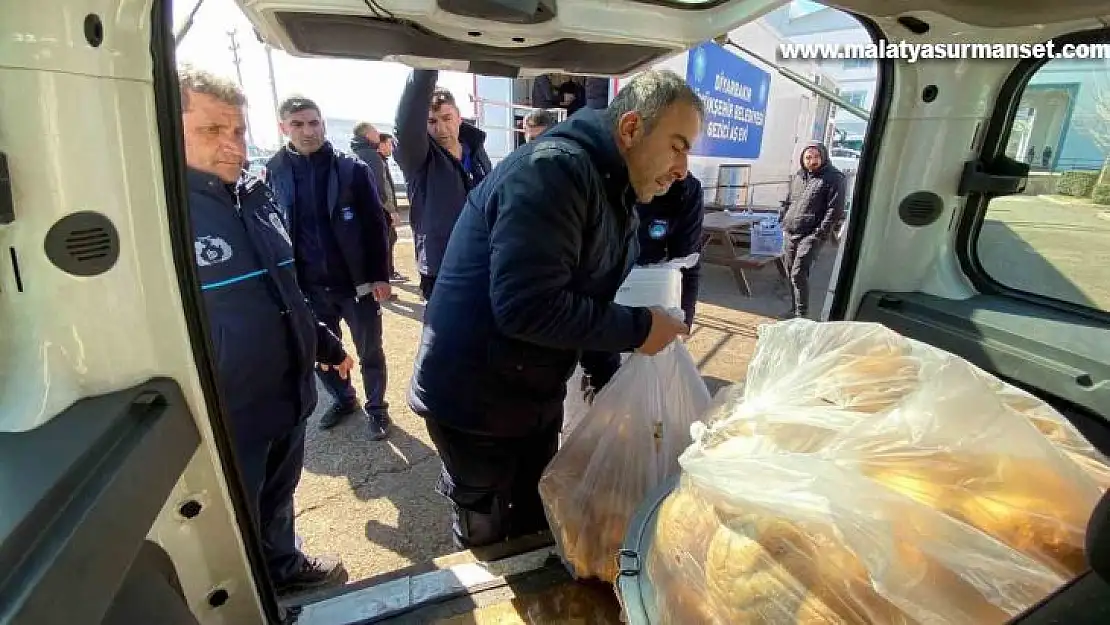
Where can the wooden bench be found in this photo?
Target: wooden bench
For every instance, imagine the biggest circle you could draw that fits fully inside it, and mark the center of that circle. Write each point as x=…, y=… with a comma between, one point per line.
x=730, y=248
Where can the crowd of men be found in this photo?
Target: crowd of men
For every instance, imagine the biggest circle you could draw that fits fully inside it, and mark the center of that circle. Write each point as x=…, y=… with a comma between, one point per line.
x=519, y=265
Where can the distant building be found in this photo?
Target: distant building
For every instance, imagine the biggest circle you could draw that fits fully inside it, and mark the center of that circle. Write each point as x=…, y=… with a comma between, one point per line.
x=856, y=77
x=1056, y=111
x=1050, y=130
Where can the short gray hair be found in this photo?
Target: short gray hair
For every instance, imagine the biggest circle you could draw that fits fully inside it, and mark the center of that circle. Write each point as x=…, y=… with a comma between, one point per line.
x=650, y=94
x=540, y=117
x=193, y=80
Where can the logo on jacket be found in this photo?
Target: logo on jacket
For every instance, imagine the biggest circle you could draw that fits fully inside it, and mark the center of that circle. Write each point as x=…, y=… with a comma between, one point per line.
x=658, y=229
x=211, y=251
x=348, y=213
x=275, y=221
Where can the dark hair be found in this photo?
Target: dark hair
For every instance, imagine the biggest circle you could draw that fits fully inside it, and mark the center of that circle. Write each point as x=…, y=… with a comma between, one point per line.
x=541, y=118
x=384, y=137
x=442, y=96
x=296, y=104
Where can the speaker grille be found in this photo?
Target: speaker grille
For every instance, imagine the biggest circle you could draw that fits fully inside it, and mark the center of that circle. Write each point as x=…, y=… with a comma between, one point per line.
x=83, y=244
x=920, y=208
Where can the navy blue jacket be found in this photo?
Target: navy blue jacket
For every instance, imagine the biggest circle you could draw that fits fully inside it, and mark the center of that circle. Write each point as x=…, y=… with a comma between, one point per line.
x=437, y=184
x=671, y=227
x=353, y=220
x=815, y=200
x=266, y=340
x=528, y=282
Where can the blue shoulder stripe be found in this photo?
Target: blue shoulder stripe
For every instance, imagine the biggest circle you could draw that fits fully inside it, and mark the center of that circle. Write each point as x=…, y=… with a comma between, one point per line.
x=247, y=276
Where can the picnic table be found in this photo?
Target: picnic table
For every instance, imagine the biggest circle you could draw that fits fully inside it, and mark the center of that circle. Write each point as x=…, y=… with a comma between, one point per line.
x=726, y=240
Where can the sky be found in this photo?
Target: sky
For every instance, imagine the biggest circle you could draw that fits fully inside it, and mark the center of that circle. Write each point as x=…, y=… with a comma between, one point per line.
x=362, y=90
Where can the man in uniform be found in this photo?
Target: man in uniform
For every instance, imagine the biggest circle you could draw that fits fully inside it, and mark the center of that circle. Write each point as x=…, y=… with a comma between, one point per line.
x=442, y=158
x=670, y=228
x=340, y=239
x=265, y=337
x=528, y=283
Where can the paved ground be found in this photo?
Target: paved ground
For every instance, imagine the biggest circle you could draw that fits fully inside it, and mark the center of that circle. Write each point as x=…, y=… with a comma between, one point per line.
x=373, y=503
x=1051, y=245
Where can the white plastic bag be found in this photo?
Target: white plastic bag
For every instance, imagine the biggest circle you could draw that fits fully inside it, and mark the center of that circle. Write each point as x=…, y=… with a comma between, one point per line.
x=627, y=443
x=863, y=477
x=659, y=284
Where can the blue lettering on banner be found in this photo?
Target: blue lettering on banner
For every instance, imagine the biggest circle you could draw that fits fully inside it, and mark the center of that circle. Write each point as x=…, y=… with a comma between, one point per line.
x=735, y=94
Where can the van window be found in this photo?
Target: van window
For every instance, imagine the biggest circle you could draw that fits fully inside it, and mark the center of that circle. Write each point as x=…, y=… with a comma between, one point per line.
x=1054, y=240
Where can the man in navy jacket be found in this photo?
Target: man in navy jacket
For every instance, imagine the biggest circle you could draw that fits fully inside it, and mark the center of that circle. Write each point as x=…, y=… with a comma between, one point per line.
x=340, y=240
x=266, y=340
x=442, y=158
x=670, y=228
x=527, y=283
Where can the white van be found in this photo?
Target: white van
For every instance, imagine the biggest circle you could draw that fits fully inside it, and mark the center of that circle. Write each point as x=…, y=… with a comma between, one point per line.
x=118, y=501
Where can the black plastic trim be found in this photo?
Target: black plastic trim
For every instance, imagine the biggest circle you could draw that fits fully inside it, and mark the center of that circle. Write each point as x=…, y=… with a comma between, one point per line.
x=994, y=148
x=7, y=195
x=172, y=152
x=1083, y=601
x=684, y=6
x=869, y=160
x=80, y=494
x=1004, y=176
x=1015, y=340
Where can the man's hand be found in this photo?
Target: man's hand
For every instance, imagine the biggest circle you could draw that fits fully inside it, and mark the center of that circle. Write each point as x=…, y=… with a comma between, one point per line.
x=344, y=368
x=381, y=290
x=664, y=329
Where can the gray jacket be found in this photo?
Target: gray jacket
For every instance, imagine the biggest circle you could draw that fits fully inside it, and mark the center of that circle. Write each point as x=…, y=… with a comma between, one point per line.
x=368, y=153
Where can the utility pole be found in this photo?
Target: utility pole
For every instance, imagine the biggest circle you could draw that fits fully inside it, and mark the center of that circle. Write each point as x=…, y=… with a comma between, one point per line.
x=273, y=81
x=232, y=34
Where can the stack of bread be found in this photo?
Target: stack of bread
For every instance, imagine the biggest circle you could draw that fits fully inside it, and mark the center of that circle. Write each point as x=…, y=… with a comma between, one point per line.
x=861, y=477
x=626, y=444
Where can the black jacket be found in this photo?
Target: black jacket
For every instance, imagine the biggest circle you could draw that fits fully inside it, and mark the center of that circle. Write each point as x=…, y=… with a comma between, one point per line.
x=266, y=339
x=671, y=227
x=528, y=283
x=357, y=217
x=815, y=200
x=383, y=183
x=437, y=184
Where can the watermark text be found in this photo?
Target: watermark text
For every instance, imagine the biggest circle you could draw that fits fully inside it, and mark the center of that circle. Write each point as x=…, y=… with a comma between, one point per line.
x=913, y=52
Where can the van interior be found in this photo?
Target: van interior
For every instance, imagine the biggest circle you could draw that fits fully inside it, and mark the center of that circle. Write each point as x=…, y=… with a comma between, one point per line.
x=119, y=496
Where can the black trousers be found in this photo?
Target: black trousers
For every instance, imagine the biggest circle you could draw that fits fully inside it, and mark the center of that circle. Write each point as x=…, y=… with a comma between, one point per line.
x=271, y=470
x=600, y=367
x=493, y=482
x=798, y=255
x=427, y=283
x=392, y=244
x=364, y=317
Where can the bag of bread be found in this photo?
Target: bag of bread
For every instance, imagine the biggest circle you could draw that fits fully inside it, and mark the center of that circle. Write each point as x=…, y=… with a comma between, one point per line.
x=862, y=477
x=627, y=443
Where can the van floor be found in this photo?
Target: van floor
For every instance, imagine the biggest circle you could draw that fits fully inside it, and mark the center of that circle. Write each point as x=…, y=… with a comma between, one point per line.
x=373, y=503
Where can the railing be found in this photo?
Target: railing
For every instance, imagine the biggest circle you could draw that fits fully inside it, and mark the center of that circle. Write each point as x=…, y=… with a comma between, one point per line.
x=747, y=191
x=560, y=113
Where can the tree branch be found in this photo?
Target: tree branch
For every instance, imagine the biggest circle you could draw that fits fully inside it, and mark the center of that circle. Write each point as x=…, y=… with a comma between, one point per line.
x=187, y=25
